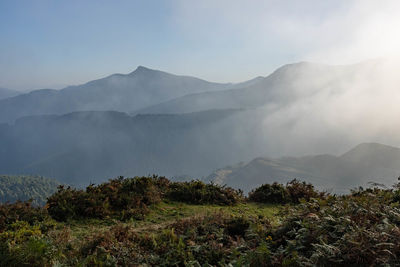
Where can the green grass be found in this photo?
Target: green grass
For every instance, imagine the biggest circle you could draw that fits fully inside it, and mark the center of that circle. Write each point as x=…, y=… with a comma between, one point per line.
x=161, y=219
x=359, y=229
x=170, y=211
x=165, y=213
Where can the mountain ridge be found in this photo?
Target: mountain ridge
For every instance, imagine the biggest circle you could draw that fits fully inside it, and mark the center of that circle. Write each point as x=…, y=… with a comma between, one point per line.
x=120, y=92
x=285, y=84
x=265, y=90
x=114, y=143
x=6, y=93
x=326, y=171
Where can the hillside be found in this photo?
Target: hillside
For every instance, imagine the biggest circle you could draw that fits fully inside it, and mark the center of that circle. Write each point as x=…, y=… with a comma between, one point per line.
x=118, y=92
x=35, y=188
x=300, y=109
x=152, y=221
x=368, y=162
x=285, y=85
x=84, y=147
x=5, y=93
x=304, y=108
x=375, y=154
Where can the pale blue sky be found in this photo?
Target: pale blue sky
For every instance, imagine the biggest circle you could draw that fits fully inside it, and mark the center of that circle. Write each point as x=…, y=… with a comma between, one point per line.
x=51, y=44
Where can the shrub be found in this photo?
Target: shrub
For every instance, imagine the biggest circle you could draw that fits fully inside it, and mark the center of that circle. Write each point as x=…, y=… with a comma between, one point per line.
x=127, y=198
x=123, y=194
x=356, y=230
x=121, y=197
x=396, y=196
x=275, y=193
x=237, y=226
x=194, y=241
x=25, y=245
x=20, y=211
x=301, y=190
x=66, y=203
x=197, y=192
x=260, y=257
x=293, y=192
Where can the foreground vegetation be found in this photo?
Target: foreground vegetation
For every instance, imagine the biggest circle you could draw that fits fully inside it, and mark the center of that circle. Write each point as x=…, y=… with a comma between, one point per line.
x=151, y=221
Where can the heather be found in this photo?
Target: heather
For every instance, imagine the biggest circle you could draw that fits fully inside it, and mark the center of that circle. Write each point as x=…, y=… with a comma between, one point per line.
x=151, y=221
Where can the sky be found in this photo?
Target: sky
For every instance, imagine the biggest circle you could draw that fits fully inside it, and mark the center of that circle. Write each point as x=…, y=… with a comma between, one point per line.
x=52, y=44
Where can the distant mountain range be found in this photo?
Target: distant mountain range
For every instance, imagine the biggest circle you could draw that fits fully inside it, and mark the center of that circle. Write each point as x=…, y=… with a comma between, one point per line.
x=153, y=122
x=118, y=92
x=83, y=147
x=6, y=93
x=286, y=84
x=367, y=162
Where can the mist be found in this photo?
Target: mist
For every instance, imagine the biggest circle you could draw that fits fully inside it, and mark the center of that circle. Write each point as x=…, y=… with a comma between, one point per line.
x=315, y=78
x=349, y=105
x=201, y=133
x=300, y=109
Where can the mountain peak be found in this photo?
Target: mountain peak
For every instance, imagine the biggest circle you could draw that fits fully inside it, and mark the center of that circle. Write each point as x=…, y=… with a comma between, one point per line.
x=372, y=146
x=142, y=69
x=368, y=153
x=300, y=65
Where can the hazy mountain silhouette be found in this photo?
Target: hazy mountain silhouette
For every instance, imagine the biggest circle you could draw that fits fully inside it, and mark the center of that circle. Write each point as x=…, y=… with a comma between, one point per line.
x=5, y=93
x=284, y=85
x=119, y=92
x=81, y=147
x=375, y=154
x=368, y=162
x=300, y=109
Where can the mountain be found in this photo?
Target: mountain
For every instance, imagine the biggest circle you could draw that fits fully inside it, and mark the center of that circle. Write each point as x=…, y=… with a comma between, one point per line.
x=367, y=162
x=300, y=109
x=35, y=188
x=247, y=83
x=5, y=93
x=288, y=83
x=309, y=108
x=81, y=147
x=374, y=154
x=119, y=92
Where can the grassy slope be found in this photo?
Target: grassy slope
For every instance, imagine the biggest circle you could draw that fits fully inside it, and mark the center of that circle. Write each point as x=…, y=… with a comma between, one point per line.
x=166, y=213
x=360, y=229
